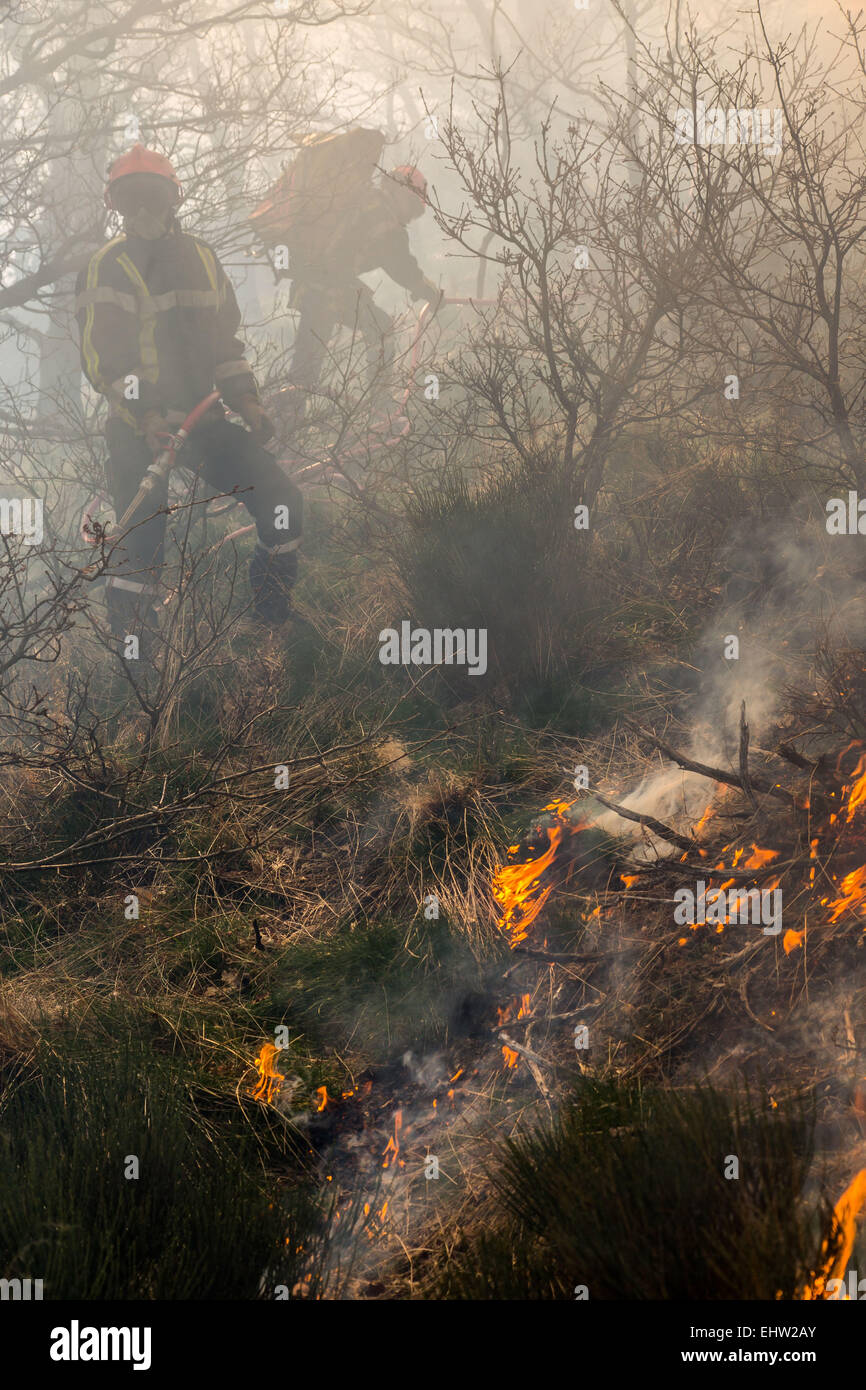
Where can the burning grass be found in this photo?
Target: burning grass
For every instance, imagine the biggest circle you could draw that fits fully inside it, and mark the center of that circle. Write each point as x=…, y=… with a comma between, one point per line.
x=416, y=1036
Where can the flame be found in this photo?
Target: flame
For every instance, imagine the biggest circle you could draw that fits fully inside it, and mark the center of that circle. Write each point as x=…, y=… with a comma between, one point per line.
x=392, y=1148
x=759, y=857
x=853, y=893
x=792, y=939
x=270, y=1080
x=857, y=794
x=703, y=820
x=845, y=1214
x=322, y=1093
x=516, y=889
x=510, y=1057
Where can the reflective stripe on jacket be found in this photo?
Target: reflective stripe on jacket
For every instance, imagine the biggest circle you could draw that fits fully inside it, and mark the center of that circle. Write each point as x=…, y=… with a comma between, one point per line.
x=165, y=313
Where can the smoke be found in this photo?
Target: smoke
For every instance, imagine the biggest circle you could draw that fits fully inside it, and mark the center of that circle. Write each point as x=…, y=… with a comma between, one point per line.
x=788, y=587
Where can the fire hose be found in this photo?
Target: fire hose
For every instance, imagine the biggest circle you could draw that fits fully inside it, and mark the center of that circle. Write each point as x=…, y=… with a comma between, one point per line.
x=165, y=460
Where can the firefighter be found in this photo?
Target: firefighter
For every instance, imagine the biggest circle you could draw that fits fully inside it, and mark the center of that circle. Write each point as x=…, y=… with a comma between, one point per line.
x=158, y=320
x=327, y=291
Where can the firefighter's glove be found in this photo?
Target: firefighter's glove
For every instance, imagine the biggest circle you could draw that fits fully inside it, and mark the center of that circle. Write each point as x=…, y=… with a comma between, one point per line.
x=253, y=414
x=430, y=293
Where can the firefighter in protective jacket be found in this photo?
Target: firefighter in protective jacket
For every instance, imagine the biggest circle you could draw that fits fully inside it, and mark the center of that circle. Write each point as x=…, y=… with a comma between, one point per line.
x=327, y=290
x=158, y=321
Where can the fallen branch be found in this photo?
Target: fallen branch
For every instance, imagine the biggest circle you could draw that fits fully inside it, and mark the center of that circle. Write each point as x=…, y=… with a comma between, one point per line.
x=709, y=872
x=790, y=754
x=715, y=774
x=656, y=826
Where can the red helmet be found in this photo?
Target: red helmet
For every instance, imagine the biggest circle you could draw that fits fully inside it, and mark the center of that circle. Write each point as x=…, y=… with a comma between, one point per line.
x=139, y=160
x=410, y=177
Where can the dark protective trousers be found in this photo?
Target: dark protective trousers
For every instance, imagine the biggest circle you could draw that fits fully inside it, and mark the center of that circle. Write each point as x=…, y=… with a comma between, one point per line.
x=226, y=456
x=325, y=306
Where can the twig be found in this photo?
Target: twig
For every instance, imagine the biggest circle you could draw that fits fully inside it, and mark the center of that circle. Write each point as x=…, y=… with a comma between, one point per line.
x=744, y=757
x=533, y=1061
x=549, y=1018
x=569, y=957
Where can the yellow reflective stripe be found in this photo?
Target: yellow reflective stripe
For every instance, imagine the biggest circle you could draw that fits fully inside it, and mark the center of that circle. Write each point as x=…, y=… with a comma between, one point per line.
x=103, y=294
x=147, y=327
x=171, y=299
x=186, y=299
x=88, y=348
x=208, y=260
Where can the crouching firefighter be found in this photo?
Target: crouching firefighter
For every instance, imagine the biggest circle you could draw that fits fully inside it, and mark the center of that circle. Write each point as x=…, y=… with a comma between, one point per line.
x=337, y=224
x=158, y=317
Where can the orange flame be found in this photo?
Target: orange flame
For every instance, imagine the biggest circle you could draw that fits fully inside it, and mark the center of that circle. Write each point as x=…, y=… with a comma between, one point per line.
x=759, y=857
x=392, y=1148
x=853, y=893
x=270, y=1080
x=708, y=812
x=510, y=1057
x=322, y=1093
x=792, y=939
x=845, y=1214
x=857, y=795
x=516, y=887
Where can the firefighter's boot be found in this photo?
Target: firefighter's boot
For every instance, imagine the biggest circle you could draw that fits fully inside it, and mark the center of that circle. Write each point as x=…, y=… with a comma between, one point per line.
x=273, y=574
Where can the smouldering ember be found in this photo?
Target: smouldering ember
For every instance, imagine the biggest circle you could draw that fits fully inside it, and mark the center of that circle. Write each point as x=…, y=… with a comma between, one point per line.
x=270, y=1080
